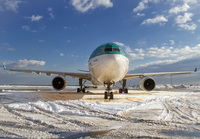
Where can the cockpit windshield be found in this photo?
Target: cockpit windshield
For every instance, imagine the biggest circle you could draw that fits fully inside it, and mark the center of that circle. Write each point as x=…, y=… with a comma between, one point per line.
x=111, y=49
x=108, y=49
x=116, y=50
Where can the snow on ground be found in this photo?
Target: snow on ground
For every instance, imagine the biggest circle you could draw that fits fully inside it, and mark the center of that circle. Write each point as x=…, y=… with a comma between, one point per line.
x=159, y=114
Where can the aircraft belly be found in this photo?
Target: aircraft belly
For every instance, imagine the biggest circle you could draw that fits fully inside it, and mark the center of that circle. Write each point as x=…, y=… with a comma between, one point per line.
x=108, y=68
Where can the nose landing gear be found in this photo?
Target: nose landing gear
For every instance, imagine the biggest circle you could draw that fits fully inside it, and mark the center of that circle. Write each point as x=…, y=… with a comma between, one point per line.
x=108, y=91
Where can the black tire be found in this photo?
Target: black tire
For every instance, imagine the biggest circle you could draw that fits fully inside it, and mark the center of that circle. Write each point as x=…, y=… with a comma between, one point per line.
x=78, y=90
x=106, y=95
x=126, y=91
x=111, y=95
x=120, y=91
x=83, y=90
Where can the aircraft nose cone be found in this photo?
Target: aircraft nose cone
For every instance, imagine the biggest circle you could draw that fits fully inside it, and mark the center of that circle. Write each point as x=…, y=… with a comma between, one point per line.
x=114, y=68
x=109, y=68
x=112, y=63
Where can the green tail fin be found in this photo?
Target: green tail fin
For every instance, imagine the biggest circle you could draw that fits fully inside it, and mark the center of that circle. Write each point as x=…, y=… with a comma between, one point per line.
x=4, y=67
x=195, y=70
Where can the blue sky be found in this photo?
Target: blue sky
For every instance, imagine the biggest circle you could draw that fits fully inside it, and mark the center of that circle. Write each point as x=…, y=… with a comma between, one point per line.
x=60, y=35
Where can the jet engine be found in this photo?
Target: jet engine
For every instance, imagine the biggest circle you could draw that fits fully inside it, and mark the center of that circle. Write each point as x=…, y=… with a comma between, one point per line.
x=59, y=83
x=147, y=84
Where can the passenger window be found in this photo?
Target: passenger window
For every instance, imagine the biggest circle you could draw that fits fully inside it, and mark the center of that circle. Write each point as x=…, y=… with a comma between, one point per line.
x=109, y=49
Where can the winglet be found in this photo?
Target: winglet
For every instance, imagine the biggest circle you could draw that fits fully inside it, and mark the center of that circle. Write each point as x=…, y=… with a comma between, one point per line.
x=4, y=67
x=195, y=70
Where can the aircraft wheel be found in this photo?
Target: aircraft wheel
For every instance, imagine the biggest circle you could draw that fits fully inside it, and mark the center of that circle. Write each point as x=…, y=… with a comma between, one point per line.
x=78, y=90
x=111, y=95
x=126, y=91
x=120, y=91
x=83, y=90
x=106, y=95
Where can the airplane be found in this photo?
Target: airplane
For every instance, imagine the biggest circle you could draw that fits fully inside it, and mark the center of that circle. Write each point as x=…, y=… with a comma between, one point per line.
x=108, y=64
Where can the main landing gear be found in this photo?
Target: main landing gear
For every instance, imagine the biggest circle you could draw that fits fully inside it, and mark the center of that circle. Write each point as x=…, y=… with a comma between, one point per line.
x=123, y=89
x=81, y=83
x=108, y=91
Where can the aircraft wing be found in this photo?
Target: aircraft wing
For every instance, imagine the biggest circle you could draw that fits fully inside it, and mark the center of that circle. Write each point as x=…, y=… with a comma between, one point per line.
x=85, y=76
x=131, y=76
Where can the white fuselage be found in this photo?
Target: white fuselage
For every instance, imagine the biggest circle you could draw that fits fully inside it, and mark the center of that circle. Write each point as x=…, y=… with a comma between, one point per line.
x=108, y=68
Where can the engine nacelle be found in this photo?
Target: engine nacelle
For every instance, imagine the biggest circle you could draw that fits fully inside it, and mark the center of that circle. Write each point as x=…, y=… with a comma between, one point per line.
x=59, y=83
x=147, y=84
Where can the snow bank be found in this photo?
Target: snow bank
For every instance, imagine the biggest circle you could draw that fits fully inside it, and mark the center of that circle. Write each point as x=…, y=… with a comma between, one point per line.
x=82, y=107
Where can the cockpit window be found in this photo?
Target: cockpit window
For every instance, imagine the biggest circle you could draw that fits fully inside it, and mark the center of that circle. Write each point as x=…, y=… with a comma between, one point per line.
x=108, y=49
x=111, y=49
x=122, y=51
x=116, y=50
x=101, y=51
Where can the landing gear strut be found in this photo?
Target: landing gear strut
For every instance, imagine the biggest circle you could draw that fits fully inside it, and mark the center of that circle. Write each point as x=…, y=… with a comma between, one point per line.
x=81, y=83
x=123, y=89
x=108, y=91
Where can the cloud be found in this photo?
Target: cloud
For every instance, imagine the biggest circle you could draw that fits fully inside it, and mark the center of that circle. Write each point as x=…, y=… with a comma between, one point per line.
x=22, y=63
x=86, y=5
x=157, y=19
x=181, y=58
x=141, y=6
x=61, y=54
x=120, y=44
x=41, y=41
x=75, y=56
x=6, y=46
x=186, y=52
x=144, y=4
x=51, y=13
x=155, y=64
x=172, y=42
x=140, y=14
x=190, y=26
x=178, y=2
x=10, y=49
x=132, y=54
x=66, y=27
x=168, y=66
x=10, y=5
x=183, y=19
x=163, y=52
x=35, y=18
x=179, y=9
x=68, y=41
x=190, y=1
x=28, y=28
x=169, y=54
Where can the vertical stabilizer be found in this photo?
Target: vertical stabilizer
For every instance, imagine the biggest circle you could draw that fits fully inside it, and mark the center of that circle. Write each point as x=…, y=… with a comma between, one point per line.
x=4, y=67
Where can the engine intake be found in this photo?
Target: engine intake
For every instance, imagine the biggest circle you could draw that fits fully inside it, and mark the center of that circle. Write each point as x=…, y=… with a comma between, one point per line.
x=147, y=84
x=59, y=83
